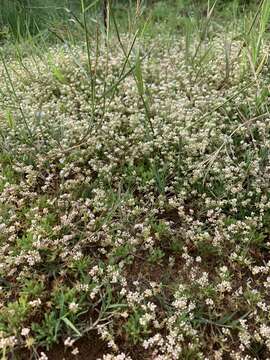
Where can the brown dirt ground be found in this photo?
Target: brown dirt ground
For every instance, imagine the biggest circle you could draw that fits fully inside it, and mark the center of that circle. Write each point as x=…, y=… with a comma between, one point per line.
x=90, y=348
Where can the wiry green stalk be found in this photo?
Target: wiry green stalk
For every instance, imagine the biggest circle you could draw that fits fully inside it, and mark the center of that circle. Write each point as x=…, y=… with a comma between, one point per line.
x=204, y=31
x=92, y=77
x=16, y=97
x=136, y=72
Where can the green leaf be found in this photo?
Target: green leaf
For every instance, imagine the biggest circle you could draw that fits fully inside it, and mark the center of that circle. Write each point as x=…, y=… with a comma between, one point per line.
x=138, y=74
x=58, y=75
x=10, y=120
x=69, y=324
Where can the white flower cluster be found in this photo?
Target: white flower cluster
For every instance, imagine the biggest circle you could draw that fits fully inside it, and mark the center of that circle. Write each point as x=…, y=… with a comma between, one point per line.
x=146, y=213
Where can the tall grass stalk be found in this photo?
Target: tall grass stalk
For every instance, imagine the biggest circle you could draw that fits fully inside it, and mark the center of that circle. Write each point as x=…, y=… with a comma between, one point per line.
x=15, y=97
x=92, y=77
x=205, y=27
x=254, y=37
x=136, y=69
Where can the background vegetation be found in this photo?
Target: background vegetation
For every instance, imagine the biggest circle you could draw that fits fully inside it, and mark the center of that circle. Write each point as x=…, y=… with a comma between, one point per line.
x=20, y=18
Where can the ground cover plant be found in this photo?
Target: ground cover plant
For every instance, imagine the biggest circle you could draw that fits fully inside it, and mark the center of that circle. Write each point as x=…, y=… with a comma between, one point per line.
x=134, y=188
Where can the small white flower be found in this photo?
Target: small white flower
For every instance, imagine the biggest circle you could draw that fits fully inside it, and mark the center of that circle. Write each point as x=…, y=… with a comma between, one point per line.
x=69, y=342
x=25, y=331
x=75, y=351
x=73, y=307
x=43, y=356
